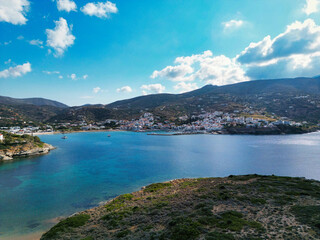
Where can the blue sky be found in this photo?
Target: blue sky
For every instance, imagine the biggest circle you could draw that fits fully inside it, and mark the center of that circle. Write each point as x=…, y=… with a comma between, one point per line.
x=84, y=51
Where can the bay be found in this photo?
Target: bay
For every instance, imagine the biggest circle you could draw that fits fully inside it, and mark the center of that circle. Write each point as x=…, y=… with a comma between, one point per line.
x=89, y=168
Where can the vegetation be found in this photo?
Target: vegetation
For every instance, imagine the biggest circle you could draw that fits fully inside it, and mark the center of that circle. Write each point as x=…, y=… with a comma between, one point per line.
x=11, y=140
x=67, y=224
x=297, y=99
x=234, y=208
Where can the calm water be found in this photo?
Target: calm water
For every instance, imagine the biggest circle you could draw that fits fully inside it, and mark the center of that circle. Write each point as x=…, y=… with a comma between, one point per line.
x=89, y=168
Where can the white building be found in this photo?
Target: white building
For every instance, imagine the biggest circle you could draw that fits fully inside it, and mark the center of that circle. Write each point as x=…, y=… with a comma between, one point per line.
x=1, y=137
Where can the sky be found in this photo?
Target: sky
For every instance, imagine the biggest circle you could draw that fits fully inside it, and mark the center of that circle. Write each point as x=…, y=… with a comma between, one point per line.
x=83, y=51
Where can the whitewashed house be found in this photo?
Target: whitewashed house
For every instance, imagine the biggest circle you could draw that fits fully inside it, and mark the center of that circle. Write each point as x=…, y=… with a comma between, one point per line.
x=1, y=137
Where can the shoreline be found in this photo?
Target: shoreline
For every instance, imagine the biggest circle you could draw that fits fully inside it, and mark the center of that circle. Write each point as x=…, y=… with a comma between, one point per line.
x=187, y=186
x=174, y=133
x=81, y=131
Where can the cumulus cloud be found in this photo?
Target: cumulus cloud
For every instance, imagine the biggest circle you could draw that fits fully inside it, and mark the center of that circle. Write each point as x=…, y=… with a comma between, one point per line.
x=185, y=87
x=60, y=38
x=125, y=89
x=295, y=52
x=153, y=88
x=73, y=76
x=311, y=6
x=232, y=24
x=217, y=70
x=299, y=38
x=36, y=42
x=85, y=76
x=100, y=9
x=16, y=71
x=66, y=5
x=14, y=11
x=96, y=90
x=175, y=73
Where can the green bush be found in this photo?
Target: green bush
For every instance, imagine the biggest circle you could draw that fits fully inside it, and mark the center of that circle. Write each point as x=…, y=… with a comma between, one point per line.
x=156, y=187
x=63, y=226
x=184, y=228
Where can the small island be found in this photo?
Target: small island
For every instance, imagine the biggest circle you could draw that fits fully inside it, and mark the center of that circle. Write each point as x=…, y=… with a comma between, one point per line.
x=235, y=207
x=15, y=146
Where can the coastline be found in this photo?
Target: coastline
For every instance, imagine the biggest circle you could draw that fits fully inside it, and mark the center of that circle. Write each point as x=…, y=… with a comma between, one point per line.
x=81, y=131
x=99, y=218
x=11, y=154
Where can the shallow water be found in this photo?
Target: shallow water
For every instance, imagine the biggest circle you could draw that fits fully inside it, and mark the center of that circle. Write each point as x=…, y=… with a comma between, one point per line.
x=89, y=168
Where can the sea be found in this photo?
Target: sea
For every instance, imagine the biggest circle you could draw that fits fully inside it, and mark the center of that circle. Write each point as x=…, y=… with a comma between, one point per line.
x=88, y=169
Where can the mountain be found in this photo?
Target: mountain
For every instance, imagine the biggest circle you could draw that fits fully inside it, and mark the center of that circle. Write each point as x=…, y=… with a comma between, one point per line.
x=14, y=111
x=295, y=98
x=32, y=101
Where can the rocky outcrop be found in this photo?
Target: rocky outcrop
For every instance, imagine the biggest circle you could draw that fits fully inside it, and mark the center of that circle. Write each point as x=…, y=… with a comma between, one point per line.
x=25, y=150
x=235, y=207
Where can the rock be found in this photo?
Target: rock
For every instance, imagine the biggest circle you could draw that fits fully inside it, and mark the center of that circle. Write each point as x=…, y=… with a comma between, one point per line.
x=24, y=151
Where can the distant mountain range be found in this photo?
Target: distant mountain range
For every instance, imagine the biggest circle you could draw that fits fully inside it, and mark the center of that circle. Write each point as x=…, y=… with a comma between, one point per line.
x=32, y=101
x=297, y=98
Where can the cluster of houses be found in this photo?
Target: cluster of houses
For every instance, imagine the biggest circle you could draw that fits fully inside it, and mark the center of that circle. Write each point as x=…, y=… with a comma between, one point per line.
x=26, y=130
x=205, y=122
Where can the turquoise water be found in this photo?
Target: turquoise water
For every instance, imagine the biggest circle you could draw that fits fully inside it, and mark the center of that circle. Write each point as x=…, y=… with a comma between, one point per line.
x=89, y=168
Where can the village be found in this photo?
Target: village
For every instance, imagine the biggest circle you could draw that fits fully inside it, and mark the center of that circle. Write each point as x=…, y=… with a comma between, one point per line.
x=213, y=122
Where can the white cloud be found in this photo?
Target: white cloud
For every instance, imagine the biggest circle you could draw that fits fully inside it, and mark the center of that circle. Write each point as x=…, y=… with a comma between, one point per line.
x=85, y=76
x=175, y=73
x=299, y=38
x=293, y=53
x=20, y=37
x=6, y=43
x=8, y=61
x=100, y=9
x=126, y=89
x=311, y=6
x=185, y=87
x=73, y=76
x=16, y=71
x=60, y=76
x=296, y=52
x=217, y=70
x=153, y=88
x=96, y=90
x=51, y=72
x=36, y=42
x=60, y=38
x=232, y=24
x=14, y=11
x=66, y=5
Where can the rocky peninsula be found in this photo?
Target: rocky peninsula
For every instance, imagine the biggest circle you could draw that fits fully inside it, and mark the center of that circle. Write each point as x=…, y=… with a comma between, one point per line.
x=17, y=146
x=235, y=207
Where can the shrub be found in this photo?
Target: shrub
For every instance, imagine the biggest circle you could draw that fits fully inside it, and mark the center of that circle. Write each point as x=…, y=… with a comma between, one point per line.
x=63, y=226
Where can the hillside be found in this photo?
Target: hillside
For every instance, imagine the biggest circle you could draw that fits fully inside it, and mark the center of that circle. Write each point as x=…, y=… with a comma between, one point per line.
x=32, y=101
x=297, y=99
x=14, y=111
x=236, y=207
x=22, y=146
